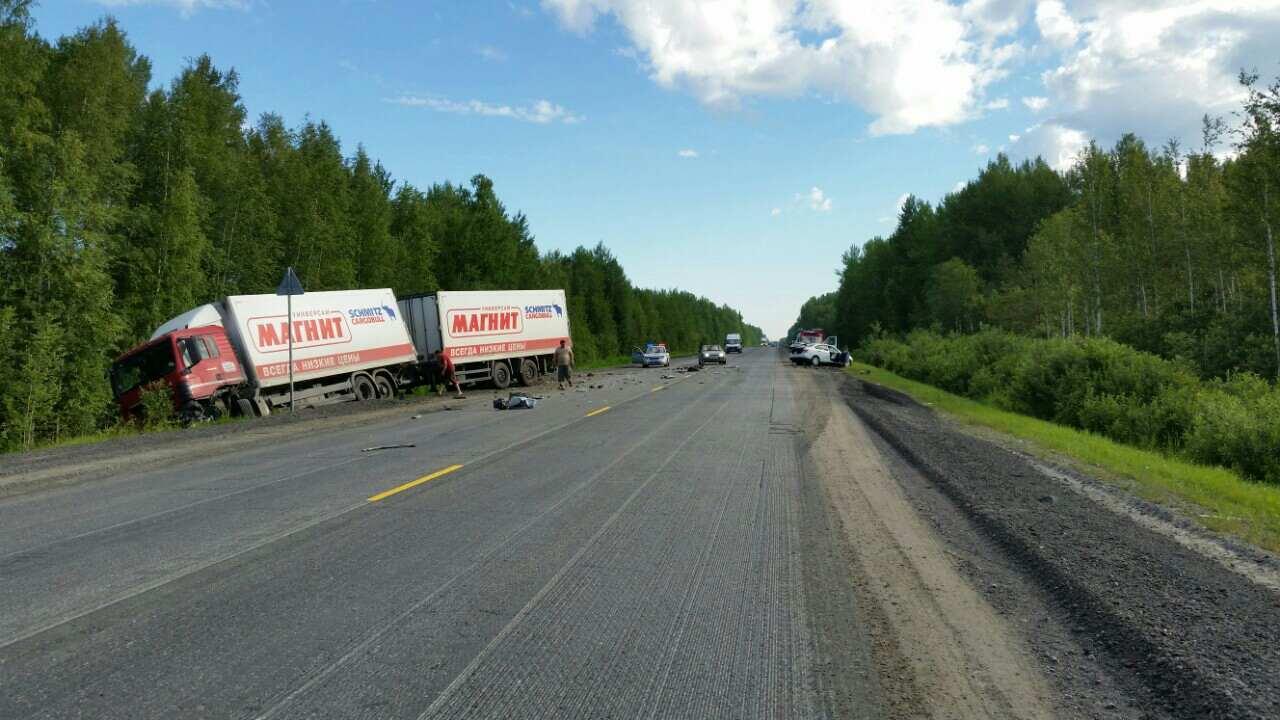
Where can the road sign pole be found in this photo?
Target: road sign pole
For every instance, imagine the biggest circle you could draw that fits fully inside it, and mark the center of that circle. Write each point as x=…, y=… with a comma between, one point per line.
x=290, y=313
x=289, y=286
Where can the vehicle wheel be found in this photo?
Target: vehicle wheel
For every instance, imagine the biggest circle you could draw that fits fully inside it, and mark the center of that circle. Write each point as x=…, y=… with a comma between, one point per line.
x=244, y=407
x=501, y=375
x=363, y=388
x=384, y=386
x=192, y=412
x=815, y=361
x=528, y=373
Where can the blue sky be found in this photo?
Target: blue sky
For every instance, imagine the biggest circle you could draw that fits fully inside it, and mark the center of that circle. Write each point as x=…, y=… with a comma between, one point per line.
x=807, y=122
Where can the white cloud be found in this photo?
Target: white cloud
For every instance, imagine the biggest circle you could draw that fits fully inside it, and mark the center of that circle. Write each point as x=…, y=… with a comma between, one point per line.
x=1057, y=144
x=1035, y=104
x=1056, y=25
x=1153, y=67
x=995, y=18
x=981, y=149
x=186, y=6
x=960, y=185
x=902, y=201
x=688, y=153
x=493, y=54
x=775, y=212
x=997, y=104
x=1014, y=137
x=541, y=112
x=909, y=63
x=818, y=200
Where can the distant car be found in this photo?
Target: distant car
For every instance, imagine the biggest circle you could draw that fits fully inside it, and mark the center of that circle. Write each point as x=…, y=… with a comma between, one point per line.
x=820, y=354
x=733, y=343
x=652, y=355
x=708, y=354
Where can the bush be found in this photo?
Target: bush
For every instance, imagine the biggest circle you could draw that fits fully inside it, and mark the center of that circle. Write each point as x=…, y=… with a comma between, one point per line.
x=1103, y=386
x=157, y=406
x=1237, y=424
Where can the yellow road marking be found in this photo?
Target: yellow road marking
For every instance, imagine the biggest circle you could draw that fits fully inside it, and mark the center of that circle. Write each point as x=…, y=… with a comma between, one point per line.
x=414, y=483
x=597, y=411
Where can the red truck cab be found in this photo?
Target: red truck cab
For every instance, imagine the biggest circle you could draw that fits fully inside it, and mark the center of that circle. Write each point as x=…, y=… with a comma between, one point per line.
x=198, y=364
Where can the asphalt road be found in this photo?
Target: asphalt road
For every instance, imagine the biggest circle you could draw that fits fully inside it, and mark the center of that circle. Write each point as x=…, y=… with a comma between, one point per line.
x=754, y=541
x=630, y=551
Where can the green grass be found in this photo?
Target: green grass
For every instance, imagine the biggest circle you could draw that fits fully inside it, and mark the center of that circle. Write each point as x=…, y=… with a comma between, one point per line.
x=608, y=362
x=1215, y=497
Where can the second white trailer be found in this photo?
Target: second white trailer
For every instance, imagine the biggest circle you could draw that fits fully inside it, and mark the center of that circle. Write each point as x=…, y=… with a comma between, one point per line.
x=500, y=335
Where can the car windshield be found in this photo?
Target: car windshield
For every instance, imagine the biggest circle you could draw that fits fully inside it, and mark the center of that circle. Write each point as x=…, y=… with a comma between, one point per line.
x=711, y=348
x=142, y=368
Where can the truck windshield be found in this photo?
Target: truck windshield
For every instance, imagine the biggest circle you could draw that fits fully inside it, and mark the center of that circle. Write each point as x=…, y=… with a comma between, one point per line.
x=141, y=368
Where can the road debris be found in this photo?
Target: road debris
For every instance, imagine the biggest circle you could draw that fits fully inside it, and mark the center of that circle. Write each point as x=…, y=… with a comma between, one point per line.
x=375, y=448
x=516, y=401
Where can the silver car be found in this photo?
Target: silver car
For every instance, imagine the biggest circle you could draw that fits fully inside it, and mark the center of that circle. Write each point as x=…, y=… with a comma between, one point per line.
x=708, y=354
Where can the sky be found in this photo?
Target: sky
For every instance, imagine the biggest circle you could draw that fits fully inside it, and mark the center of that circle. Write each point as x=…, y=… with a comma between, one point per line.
x=733, y=148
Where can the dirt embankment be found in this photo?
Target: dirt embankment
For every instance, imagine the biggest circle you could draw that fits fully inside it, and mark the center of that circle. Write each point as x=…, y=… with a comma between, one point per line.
x=1188, y=637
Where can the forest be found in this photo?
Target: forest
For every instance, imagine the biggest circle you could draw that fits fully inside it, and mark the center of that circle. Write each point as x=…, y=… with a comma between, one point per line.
x=124, y=202
x=1133, y=295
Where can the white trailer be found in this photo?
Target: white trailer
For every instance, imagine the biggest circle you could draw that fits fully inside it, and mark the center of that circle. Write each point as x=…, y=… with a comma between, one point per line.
x=498, y=335
x=347, y=344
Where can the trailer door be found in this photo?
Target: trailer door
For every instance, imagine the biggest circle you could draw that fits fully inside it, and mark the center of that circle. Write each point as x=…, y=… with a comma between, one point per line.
x=422, y=319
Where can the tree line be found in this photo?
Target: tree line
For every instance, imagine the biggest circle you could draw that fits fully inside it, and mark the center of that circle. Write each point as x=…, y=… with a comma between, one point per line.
x=123, y=204
x=1169, y=251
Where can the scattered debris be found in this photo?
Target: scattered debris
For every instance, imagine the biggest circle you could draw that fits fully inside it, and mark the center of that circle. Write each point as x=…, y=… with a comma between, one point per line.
x=415, y=417
x=515, y=401
x=388, y=447
x=668, y=377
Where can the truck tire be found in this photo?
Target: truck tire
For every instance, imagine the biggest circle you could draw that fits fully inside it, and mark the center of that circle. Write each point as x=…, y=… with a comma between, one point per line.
x=363, y=388
x=244, y=407
x=501, y=375
x=385, y=386
x=192, y=412
x=528, y=372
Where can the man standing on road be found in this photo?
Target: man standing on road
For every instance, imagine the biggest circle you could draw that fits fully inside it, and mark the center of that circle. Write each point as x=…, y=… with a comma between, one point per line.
x=448, y=374
x=564, y=361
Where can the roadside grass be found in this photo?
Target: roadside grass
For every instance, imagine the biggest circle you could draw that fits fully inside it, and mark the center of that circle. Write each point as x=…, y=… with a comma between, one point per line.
x=123, y=430
x=1215, y=497
x=607, y=362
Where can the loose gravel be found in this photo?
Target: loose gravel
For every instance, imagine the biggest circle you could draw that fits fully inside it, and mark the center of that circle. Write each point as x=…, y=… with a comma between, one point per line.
x=1202, y=640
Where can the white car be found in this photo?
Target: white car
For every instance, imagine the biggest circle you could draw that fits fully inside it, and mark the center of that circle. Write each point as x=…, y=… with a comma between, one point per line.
x=653, y=355
x=820, y=354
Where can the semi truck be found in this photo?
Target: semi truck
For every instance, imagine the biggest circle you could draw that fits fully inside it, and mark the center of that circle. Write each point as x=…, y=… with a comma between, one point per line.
x=232, y=355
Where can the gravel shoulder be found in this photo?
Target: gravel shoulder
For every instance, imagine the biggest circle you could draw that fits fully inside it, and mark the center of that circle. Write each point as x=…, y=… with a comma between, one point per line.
x=939, y=649
x=1128, y=621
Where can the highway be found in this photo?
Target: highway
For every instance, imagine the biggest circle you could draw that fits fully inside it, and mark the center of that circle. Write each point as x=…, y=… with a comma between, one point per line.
x=631, y=551
x=740, y=542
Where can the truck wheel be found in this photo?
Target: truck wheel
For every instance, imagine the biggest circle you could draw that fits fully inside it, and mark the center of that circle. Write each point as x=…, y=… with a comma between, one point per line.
x=501, y=375
x=244, y=407
x=385, y=387
x=528, y=373
x=192, y=412
x=363, y=388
